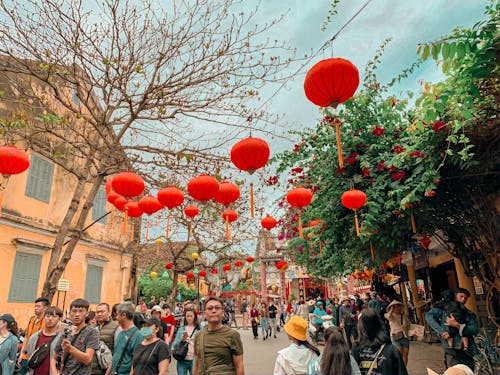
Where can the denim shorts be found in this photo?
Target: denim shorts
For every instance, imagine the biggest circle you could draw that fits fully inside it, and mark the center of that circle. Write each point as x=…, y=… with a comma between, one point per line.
x=401, y=343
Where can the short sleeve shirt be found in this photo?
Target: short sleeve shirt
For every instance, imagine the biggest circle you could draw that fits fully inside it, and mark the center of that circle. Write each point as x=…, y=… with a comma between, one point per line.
x=88, y=338
x=216, y=348
x=272, y=311
x=147, y=357
x=120, y=343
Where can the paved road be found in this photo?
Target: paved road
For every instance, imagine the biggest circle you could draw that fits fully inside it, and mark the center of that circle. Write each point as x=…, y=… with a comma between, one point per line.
x=260, y=355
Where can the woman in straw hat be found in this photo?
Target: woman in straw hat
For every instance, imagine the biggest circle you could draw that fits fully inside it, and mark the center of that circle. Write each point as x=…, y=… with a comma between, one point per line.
x=293, y=360
x=400, y=325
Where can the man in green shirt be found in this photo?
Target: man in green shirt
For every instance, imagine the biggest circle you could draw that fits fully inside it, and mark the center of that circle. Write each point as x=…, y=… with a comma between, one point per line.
x=218, y=349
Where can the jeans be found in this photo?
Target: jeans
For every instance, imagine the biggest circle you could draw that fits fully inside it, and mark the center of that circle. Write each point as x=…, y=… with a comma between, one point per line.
x=264, y=325
x=185, y=366
x=255, y=331
x=349, y=331
x=273, y=325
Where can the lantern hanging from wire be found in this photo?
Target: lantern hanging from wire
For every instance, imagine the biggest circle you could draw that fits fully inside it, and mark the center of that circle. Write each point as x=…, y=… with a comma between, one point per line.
x=128, y=184
x=169, y=266
x=170, y=197
x=354, y=200
x=229, y=216
x=250, y=259
x=314, y=223
x=203, y=187
x=226, y=268
x=238, y=263
x=12, y=161
x=228, y=193
x=299, y=198
x=202, y=273
x=191, y=211
x=269, y=223
x=248, y=155
x=149, y=205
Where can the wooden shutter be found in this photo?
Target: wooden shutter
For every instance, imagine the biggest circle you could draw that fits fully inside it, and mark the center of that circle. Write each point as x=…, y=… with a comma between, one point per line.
x=25, y=277
x=99, y=207
x=93, y=284
x=39, y=183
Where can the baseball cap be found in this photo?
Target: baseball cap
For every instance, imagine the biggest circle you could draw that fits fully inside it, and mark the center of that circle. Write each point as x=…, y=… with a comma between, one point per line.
x=156, y=308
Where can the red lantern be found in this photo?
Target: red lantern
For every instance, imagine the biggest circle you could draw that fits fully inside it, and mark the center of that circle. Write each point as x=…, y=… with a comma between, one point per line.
x=112, y=196
x=120, y=203
x=214, y=271
x=228, y=193
x=133, y=209
x=299, y=197
x=313, y=224
x=279, y=264
x=128, y=184
x=190, y=275
x=354, y=199
x=109, y=187
x=268, y=222
x=13, y=160
x=238, y=263
x=249, y=155
x=202, y=273
x=250, y=259
x=226, y=267
x=170, y=197
x=203, y=187
x=150, y=204
x=424, y=242
x=229, y=216
x=191, y=211
x=169, y=266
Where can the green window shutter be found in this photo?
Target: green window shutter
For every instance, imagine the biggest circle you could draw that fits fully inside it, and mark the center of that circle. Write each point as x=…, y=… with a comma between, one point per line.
x=99, y=207
x=25, y=276
x=39, y=183
x=93, y=284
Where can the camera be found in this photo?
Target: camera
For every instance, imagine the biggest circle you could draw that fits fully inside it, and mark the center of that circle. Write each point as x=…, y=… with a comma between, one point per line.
x=67, y=331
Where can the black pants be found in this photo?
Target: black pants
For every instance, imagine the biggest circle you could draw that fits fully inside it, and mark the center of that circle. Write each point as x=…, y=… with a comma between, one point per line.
x=458, y=357
x=349, y=331
x=254, y=330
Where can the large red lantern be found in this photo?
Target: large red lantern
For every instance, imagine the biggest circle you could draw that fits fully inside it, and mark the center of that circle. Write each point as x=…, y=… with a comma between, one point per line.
x=229, y=216
x=112, y=196
x=249, y=155
x=228, y=193
x=13, y=160
x=191, y=211
x=203, y=187
x=133, y=209
x=149, y=205
x=109, y=186
x=128, y=184
x=299, y=197
x=170, y=197
x=354, y=199
x=120, y=203
x=268, y=222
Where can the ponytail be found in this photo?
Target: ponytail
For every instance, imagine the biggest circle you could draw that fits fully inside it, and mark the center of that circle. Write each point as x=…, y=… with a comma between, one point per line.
x=310, y=347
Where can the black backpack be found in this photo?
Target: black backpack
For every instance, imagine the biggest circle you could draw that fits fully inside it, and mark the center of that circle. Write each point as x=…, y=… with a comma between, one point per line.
x=39, y=355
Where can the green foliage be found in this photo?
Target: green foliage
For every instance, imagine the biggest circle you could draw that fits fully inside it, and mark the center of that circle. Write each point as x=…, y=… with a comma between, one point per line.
x=158, y=286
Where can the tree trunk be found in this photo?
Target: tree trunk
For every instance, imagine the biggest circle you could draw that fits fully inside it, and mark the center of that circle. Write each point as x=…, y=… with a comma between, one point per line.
x=173, y=293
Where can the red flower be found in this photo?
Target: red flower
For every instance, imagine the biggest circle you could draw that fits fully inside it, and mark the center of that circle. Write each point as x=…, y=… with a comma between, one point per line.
x=341, y=171
x=392, y=168
x=439, y=125
x=378, y=131
x=366, y=172
x=297, y=170
x=398, y=175
x=398, y=149
x=416, y=154
x=350, y=160
x=430, y=193
x=381, y=165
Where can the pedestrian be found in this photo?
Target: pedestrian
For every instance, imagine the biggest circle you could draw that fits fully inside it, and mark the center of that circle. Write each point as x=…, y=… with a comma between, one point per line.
x=346, y=320
x=374, y=349
x=152, y=302
x=169, y=320
x=272, y=318
x=47, y=336
x=294, y=359
x=438, y=320
x=141, y=307
x=8, y=344
x=318, y=312
x=35, y=324
x=74, y=350
x=156, y=312
x=127, y=340
x=335, y=359
x=255, y=320
x=264, y=321
x=302, y=310
x=218, y=349
x=283, y=314
x=232, y=311
x=151, y=356
x=244, y=313
x=399, y=326
x=187, y=333
x=108, y=329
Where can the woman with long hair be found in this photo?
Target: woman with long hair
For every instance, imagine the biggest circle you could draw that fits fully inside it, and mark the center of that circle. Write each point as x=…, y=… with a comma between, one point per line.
x=8, y=344
x=152, y=356
x=264, y=321
x=293, y=360
x=255, y=320
x=374, y=349
x=335, y=358
x=399, y=325
x=187, y=333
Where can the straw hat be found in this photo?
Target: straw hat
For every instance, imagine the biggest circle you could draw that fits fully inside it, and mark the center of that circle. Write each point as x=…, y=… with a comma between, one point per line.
x=453, y=370
x=296, y=327
x=392, y=304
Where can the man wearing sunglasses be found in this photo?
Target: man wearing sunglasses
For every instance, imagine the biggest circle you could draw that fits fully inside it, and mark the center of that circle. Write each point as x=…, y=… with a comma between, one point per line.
x=218, y=349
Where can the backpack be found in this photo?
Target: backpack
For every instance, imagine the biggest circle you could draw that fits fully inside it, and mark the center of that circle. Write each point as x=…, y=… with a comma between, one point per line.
x=104, y=355
x=39, y=355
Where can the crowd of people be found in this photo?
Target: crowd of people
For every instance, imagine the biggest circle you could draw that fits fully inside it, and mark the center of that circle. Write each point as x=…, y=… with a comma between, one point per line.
x=367, y=336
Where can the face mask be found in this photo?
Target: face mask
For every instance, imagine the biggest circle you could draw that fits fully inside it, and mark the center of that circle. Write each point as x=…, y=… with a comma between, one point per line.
x=147, y=332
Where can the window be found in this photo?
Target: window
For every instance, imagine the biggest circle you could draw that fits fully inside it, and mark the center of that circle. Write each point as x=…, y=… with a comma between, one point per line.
x=99, y=207
x=93, y=284
x=75, y=98
x=39, y=181
x=25, y=276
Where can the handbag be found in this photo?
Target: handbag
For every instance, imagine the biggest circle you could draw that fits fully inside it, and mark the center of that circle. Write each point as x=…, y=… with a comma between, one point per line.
x=38, y=356
x=180, y=350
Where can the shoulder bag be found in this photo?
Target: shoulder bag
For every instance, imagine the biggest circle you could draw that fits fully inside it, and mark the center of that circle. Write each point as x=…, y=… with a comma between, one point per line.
x=119, y=363
x=40, y=353
x=179, y=351
x=370, y=370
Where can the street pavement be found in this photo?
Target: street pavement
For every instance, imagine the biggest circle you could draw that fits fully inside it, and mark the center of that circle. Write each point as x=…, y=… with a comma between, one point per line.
x=259, y=355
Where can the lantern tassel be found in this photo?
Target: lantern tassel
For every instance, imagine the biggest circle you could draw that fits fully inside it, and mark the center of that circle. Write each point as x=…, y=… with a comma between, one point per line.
x=156, y=220
x=339, y=145
x=372, y=252
x=112, y=217
x=167, y=229
x=190, y=228
x=124, y=223
x=301, y=234
x=356, y=222
x=132, y=233
x=413, y=224
x=320, y=248
x=228, y=230
x=252, y=203
x=147, y=231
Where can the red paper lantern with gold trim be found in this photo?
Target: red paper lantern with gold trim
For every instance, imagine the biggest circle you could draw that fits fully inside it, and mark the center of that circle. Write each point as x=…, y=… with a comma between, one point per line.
x=203, y=187
x=229, y=216
x=171, y=197
x=354, y=199
x=299, y=197
x=228, y=193
x=133, y=209
x=150, y=204
x=128, y=184
x=268, y=222
x=191, y=211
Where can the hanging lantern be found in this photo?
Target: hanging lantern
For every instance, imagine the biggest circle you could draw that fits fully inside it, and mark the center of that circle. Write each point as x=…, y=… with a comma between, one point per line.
x=268, y=222
x=354, y=200
x=228, y=193
x=169, y=266
x=279, y=264
x=249, y=155
x=120, y=203
x=250, y=259
x=283, y=267
x=195, y=256
x=329, y=83
x=226, y=267
x=13, y=161
x=150, y=204
x=191, y=211
x=229, y=216
x=153, y=275
x=109, y=186
x=238, y=263
x=190, y=275
x=299, y=197
x=112, y=196
x=202, y=273
x=214, y=271
x=203, y=187
x=313, y=224
x=170, y=197
x=133, y=209
x=128, y=184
